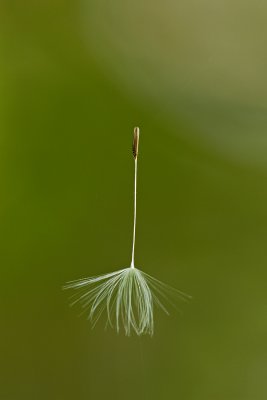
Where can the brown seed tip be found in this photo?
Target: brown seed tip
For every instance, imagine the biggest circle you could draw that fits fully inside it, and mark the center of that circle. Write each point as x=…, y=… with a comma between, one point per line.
x=135, y=142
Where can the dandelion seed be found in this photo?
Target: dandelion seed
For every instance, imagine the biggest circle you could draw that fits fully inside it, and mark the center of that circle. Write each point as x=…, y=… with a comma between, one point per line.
x=127, y=296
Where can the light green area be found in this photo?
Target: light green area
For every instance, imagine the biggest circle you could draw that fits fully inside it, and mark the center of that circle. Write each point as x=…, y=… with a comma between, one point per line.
x=71, y=93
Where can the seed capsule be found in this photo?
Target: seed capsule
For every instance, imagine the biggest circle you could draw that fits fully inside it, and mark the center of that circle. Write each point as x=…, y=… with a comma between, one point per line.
x=135, y=142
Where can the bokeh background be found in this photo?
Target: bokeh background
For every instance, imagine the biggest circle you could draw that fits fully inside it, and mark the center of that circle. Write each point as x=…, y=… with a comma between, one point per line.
x=75, y=78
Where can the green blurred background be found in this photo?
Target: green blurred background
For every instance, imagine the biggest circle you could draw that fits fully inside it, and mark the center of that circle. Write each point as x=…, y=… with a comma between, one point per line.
x=75, y=78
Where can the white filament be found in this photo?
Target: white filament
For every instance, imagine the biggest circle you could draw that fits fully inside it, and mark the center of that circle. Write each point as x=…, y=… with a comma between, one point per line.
x=134, y=226
x=128, y=296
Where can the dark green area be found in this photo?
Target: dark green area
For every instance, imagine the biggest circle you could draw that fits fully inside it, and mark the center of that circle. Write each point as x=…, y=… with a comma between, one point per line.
x=66, y=212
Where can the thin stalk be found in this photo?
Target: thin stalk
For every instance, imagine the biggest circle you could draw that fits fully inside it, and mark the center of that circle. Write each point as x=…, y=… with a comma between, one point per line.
x=134, y=226
x=135, y=154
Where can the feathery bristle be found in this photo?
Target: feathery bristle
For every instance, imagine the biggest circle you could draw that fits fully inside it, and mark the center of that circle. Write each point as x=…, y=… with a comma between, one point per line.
x=128, y=296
